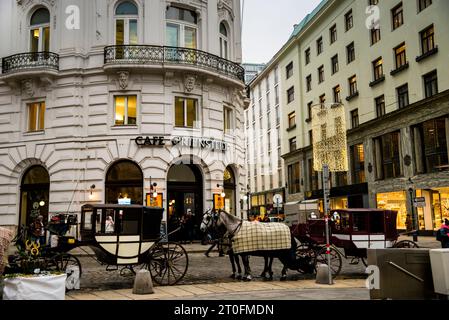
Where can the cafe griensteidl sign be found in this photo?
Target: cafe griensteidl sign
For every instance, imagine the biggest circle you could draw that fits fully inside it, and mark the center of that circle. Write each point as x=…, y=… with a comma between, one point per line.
x=190, y=142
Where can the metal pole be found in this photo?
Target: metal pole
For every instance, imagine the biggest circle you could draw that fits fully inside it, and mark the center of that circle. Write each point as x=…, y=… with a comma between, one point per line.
x=326, y=192
x=414, y=217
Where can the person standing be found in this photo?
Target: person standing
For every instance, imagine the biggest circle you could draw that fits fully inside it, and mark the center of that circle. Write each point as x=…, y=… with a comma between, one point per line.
x=443, y=234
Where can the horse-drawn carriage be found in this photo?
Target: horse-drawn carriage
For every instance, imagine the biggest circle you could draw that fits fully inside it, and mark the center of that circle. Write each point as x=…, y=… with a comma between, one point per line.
x=352, y=233
x=121, y=236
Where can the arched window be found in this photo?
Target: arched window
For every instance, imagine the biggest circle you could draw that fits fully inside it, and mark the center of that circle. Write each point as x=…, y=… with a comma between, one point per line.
x=124, y=180
x=34, y=195
x=224, y=41
x=40, y=30
x=126, y=17
x=182, y=28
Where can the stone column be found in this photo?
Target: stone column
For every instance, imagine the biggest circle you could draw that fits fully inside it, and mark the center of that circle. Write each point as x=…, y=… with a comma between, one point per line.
x=418, y=151
x=406, y=150
x=378, y=159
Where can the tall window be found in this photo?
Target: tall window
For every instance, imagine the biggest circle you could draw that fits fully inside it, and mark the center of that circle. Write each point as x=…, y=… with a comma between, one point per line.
x=319, y=46
x=321, y=74
x=292, y=120
x=292, y=144
x=397, y=15
x=309, y=110
x=186, y=112
x=358, y=164
x=431, y=84
x=337, y=94
x=294, y=178
x=352, y=85
x=333, y=33
x=400, y=56
x=228, y=119
x=323, y=99
x=289, y=70
x=311, y=137
x=124, y=179
x=334, y=63
x=224, y=41
x=378, y=69
x=375, y=35
x=387, y=153
x=309, y=82
x=307, y=54
x=182, y=28
x=427, y=40
x=36, y=116
x=349, y=20
x=424, y=4
x=125, y=110
x=355, y=118
x=276, y=95
x=126, y=16
x=380, y=106
x=402, y=93
x=432, y=146
x=40, y=30
x=350, y=52
x=313, y=176
x=290, y=94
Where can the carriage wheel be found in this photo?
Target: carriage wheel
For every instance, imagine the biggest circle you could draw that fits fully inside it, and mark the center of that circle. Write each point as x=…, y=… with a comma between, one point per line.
x=168, y=263
x=336, y=261
x=406, y=244
x=304, y=251
x=61, y=261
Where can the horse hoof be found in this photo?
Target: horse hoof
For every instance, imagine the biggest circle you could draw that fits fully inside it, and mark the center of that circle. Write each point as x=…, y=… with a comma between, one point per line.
x=284, y=278
x=239, y=277
x=247, y=279
x=233, y=276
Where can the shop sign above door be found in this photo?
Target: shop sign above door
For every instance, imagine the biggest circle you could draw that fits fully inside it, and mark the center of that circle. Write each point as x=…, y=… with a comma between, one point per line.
x=190, y=142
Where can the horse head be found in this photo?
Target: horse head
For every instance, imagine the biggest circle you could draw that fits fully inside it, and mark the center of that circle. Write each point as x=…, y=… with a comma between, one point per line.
x=209, y=222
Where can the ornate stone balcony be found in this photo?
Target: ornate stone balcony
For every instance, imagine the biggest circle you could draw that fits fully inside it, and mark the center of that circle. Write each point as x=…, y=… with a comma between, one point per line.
x=25, y=65
x=146, y=56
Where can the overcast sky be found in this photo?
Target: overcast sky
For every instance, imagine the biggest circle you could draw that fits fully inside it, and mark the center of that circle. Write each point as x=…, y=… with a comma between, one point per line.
x=267, y=25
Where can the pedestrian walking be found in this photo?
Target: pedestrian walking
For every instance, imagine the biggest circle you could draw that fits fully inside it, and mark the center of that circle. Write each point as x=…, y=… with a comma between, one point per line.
x=443, y=234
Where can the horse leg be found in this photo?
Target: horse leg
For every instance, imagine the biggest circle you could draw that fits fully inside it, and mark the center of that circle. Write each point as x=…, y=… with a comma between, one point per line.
x=232, y=259
x=270, y=269
x=247, y=276
x=265, y=268
x=284, y=273
x=239, y=268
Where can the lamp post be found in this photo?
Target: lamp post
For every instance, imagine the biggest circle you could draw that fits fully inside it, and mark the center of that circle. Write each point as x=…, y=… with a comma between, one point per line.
x=153, y=191
x=413, y=211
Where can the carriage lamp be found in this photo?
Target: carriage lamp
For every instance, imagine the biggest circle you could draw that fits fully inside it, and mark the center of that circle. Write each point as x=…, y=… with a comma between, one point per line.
x=42, y=203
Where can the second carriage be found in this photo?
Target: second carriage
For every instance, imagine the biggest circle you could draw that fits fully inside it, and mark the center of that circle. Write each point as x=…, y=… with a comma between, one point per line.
x=352, y=233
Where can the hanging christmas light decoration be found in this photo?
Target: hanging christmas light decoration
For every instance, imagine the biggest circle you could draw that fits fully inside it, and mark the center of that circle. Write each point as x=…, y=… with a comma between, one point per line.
x=329, y=137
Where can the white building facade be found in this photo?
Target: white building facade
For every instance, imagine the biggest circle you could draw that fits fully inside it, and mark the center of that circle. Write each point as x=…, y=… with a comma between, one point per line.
x=135, y=100
x=263, y=126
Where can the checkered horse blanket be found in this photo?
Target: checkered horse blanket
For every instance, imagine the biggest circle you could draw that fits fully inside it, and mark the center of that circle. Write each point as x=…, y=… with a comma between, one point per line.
x=254, y=236
x=5, y=239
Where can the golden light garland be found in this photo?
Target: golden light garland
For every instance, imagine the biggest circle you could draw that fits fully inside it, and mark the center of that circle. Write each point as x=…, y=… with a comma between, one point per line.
x=329, y=137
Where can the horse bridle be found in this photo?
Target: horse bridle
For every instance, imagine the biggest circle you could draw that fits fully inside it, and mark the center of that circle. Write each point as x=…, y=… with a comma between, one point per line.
x=213, y=219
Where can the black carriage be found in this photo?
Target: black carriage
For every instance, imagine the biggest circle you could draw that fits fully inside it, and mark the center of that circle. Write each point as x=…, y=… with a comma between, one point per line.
x=121, y=236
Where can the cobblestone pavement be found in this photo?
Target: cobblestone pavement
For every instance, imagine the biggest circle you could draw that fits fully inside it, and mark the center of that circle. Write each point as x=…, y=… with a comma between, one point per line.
x=202, y=270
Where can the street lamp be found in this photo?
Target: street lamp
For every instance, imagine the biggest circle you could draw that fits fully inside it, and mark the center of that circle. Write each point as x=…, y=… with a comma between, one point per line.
x=153, y=189
x=413, y=211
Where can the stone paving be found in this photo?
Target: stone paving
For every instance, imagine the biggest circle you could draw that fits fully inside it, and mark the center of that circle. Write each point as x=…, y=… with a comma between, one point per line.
x=289, y=290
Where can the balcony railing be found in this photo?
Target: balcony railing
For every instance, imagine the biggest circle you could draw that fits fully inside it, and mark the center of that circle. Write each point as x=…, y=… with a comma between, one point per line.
x=147, y=55
x=30, y=61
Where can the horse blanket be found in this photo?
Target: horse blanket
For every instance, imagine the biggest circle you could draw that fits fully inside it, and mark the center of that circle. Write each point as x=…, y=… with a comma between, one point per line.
x=5, y=239
x=254, y=236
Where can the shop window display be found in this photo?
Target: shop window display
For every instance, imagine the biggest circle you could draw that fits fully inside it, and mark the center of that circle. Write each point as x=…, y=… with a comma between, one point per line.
x=395, y=201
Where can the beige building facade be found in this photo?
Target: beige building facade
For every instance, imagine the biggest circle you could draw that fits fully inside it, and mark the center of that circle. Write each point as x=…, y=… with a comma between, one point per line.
x=385, y=62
